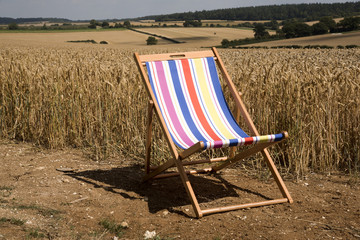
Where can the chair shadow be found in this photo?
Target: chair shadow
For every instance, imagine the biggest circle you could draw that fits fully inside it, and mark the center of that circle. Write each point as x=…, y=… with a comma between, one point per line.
x=167, y=193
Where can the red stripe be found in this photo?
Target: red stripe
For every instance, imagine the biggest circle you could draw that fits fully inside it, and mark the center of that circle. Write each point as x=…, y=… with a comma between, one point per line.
x=249, y=140
x=195, y=101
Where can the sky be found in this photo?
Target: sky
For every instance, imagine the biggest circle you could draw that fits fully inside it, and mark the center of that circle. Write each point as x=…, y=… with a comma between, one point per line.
x=119, y=9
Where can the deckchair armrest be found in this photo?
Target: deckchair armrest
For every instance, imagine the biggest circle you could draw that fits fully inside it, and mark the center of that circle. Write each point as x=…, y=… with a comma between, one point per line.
x=191, y=150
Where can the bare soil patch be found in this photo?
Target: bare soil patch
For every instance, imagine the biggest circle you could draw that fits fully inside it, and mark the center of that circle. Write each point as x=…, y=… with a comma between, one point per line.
x=63, y=194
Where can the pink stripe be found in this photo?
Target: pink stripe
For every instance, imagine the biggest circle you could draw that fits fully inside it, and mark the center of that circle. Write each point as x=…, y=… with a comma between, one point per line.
x=170, y=106
x=161, y=102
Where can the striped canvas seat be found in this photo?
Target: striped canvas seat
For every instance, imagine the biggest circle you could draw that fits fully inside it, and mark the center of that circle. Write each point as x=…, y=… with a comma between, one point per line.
x=192, y=103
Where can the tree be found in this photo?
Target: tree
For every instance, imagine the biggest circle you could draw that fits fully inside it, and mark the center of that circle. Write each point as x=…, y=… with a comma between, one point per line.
x=289, y=30
x=319, y=28
x=293, y=29
x=329, y=22
x=225, y=43
x=93, y=24
x=349, y=23
x=192, y=23
x=13, y=26
x=273, y=25
x=118, y=25
x=105, y=24
x=151, y=41
x=260, y=31
x=127, y=24
x=302, y=29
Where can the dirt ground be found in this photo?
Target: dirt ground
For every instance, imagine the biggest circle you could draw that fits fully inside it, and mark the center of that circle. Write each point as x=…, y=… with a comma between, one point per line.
x=63, y=194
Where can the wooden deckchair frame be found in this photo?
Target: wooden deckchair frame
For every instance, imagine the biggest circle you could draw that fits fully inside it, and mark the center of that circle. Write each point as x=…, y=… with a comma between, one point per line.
x=178, y=157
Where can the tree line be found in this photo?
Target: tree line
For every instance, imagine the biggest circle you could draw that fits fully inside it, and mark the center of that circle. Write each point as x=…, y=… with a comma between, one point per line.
x=6, y=20
x=305, y=12
x=294, y=28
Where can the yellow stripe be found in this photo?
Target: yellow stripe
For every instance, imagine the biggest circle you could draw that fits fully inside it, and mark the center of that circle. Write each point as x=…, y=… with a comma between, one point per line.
x=208, y=102
x=264, y=138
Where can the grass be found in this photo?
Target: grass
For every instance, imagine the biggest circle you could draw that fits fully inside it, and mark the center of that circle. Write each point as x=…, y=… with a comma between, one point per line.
x=112, y=227
x=46, y=212
x=31, y=233
x=94, y=100
x=5, y=191
x=35, y=233
x=13, y=221
x=6, y=188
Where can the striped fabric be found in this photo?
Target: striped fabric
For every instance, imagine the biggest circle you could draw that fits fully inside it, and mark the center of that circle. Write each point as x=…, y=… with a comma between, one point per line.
x=191, y=100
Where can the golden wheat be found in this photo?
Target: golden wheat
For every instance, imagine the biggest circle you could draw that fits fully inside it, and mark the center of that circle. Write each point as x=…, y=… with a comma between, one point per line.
x=94, y=98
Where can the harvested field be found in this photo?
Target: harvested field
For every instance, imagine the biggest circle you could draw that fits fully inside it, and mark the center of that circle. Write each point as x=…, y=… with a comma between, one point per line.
x=117, y=39
x=335, y=39
x=201, y=37
x=193, y=37
x=205, y=23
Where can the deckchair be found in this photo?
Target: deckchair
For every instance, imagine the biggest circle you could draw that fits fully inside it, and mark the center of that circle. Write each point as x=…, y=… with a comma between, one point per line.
x=185, y=94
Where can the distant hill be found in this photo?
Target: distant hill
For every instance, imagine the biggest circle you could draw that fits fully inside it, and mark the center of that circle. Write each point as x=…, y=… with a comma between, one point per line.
x=306, y=12
x=5, y=20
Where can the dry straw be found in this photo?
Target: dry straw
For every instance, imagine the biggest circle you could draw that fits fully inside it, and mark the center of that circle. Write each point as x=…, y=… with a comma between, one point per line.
x=93, y=99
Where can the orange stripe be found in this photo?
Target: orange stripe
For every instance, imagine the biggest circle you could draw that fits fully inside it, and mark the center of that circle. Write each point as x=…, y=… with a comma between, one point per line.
x=195, y=101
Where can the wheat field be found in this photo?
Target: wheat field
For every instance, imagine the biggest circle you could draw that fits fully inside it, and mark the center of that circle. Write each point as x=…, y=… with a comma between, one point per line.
x=93, y=98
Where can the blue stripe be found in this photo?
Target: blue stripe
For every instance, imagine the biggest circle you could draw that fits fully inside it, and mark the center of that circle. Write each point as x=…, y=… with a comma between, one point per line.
x=278, y=137
x=233, y=142
x=221, y=99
